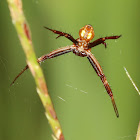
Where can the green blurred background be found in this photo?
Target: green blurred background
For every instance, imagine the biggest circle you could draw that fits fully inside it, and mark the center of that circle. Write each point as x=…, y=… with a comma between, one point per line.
x=87, y=112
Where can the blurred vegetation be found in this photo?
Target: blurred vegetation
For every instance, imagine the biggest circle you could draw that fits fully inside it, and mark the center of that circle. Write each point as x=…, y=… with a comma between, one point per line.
x=24, y=34
x=82, y=115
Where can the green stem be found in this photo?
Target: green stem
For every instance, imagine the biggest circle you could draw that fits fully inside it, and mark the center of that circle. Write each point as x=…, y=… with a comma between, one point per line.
x=23, y=32
x=138, y=133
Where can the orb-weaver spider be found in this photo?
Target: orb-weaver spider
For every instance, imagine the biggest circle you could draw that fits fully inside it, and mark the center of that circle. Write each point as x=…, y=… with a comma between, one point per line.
x=81, y=47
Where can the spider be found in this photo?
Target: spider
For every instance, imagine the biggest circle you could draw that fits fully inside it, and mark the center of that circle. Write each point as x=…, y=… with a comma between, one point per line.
x=81, y=47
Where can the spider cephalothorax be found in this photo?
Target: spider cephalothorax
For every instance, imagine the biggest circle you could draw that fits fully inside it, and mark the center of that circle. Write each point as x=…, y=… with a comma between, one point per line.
x=81, y=47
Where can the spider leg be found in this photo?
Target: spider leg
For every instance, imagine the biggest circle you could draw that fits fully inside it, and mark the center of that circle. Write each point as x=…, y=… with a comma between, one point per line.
x=26, y=67
x=63, y=34
x=104, y=43
x=95, y=64
x=101, y=41
x=52, y=54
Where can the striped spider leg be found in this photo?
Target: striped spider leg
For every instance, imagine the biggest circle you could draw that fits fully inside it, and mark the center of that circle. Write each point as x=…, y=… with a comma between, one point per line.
x=81, y=47
x=52, y=54
x=95, y=64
